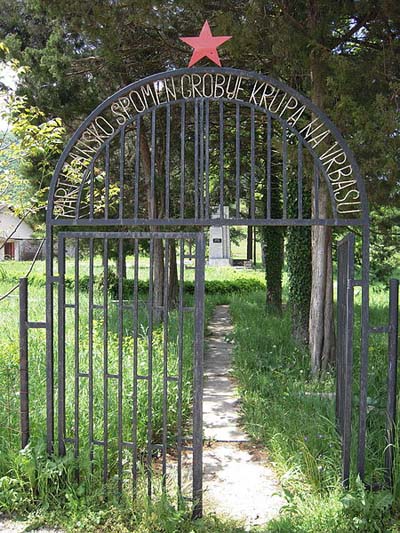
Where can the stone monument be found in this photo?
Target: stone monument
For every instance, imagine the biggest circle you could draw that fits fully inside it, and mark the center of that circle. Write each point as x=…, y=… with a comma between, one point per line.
x=220, y=243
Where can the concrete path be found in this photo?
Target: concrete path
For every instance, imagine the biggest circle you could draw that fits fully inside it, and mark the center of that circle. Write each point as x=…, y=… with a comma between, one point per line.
x=238, y=481
x=13, y=526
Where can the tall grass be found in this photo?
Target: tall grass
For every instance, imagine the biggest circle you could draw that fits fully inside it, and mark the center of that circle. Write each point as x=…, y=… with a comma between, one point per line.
x=294, y=417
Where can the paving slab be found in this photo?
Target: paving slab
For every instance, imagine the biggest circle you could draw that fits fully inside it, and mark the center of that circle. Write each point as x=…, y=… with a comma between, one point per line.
x=239, y=481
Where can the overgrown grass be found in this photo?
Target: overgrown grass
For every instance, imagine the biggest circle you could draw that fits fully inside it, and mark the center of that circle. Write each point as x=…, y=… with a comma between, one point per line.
x=294, y=417
x=46, y=488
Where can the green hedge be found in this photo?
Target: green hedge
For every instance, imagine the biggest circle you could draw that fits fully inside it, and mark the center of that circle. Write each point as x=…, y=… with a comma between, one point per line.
x=238, y=285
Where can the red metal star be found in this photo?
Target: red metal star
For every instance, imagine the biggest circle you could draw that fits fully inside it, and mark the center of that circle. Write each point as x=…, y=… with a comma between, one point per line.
x=205, y=45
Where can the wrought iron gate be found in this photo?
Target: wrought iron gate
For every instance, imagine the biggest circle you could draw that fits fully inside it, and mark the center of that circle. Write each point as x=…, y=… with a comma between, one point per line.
x=168, y=153
x=121, y=352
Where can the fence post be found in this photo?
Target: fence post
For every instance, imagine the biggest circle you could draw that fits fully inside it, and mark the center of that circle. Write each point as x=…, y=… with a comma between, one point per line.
x=23, y=361
x=393, y=332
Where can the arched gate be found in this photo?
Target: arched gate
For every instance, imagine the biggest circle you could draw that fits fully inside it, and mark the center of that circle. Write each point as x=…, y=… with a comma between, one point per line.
x=150, y=168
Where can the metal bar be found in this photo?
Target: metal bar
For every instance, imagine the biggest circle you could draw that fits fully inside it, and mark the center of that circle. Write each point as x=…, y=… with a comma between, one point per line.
x=284, y=171
x=300, y=180
x=150, y=373
x=269, y=163
x=167, y=159
x=36, y=325
x=362, y=425
x=61, y=347
x=49, y=342
x=221, y=159
x=91, y=193
x=316, y=190
x=165, y=367
x=120, y=355
x=196, y=159
x=76, y=350
x=348, y=364
x=105, y=361
x=379, y=329
x=23, y=361
x=207, y=157
x=152, y=213
x=201, y=163
x=393, y=335
x=178, y=222
x=237, y=153
x=135, y=365
x=90, y=348
x=252, y=162
x=137, y=170
x=198, y=380
x=182, y=177
x=121, y=172
x=107, y=182
x=180, y=361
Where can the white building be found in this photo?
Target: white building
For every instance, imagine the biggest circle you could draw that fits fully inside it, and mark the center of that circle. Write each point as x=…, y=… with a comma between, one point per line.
x=21, y=246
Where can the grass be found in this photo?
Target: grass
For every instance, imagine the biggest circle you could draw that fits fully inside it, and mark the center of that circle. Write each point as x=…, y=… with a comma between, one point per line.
x=282, y=409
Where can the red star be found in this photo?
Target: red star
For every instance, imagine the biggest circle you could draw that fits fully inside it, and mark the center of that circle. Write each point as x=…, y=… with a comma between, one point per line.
x=205, y=45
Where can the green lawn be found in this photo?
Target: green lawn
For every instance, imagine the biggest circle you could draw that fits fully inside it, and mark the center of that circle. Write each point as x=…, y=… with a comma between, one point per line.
x=281, y=409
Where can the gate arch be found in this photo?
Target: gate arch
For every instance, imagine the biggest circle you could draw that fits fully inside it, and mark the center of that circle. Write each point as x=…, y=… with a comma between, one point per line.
x=170, y=151
x=206, y=99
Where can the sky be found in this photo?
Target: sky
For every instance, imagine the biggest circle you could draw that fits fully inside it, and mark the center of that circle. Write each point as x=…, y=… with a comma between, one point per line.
x=9, y=78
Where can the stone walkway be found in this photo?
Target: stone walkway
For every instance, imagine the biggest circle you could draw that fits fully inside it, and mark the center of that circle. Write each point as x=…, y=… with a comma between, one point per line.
x=12, y=526
x=238, y=481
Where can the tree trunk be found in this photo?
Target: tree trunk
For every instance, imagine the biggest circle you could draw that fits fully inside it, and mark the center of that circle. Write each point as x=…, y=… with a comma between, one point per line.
x=249, y=243
x=173, y=276
x=321, y=324
x=158, y=247
x=321, y=327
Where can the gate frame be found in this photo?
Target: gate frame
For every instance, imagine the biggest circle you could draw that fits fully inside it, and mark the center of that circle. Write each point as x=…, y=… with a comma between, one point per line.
x=54, y=222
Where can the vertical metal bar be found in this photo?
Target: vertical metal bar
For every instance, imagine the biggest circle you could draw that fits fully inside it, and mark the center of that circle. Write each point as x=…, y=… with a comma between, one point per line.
x=284, y=171
x=49, y=342
x=165, y=366
x=137, y=170
x=362, y=425
x=196, y=159
x=252, y=162
x=167, y=158
x=135, y=364
x=150, y=372
x=300, y=179
x=392, y=379
x=61, y=347
x=316, y=190
x=198, y=380
x=201, y=163
x=339, y=336
x=105, y=360
x=76, y=350
x=237, y=153
x=107, y=182
x=180, y=360
x=153, y=166
x=221, y=159
x=120, y=354
x=91, y=193
x=269, y=163
x=207, y=156
x=182, y=189
x=121, y=172
x=90, y=347
x=348, y=363
x=23, y=361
